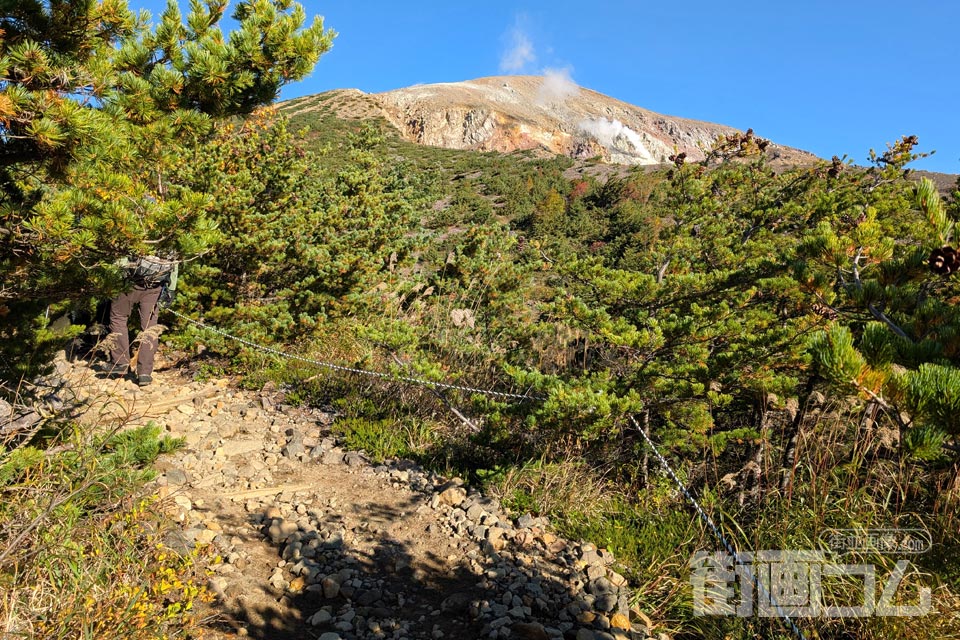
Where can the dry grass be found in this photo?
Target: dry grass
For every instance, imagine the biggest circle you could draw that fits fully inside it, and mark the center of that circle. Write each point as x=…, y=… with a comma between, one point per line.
x=555, y=488
x=81, y=544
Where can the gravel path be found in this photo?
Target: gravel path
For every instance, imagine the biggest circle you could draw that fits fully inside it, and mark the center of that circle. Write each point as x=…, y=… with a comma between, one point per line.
x=320, y=543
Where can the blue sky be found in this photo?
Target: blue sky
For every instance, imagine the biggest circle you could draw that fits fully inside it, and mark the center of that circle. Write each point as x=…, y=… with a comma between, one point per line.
x=837, y=77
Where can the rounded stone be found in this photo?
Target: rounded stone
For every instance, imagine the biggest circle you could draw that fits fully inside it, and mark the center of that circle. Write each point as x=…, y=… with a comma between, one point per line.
x=331, y=588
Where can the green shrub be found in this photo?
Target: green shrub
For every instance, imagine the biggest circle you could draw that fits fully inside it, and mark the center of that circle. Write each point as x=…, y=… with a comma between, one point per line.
x=81, y=548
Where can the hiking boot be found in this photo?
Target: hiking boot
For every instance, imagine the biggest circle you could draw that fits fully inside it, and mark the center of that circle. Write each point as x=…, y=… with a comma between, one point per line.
x=111, y=370
x=144, y=380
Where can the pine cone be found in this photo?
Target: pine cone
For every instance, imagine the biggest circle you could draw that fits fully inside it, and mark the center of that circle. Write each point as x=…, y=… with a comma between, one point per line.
x=825, y=310
x=836, y=167
x=944, y=261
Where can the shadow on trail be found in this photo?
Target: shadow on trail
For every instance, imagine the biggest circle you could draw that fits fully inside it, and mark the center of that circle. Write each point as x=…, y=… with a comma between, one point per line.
x=364, y=571
x=365, y=580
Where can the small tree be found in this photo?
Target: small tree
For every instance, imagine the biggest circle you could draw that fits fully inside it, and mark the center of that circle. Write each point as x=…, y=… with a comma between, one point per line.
x=297, y=245
x=95, y=109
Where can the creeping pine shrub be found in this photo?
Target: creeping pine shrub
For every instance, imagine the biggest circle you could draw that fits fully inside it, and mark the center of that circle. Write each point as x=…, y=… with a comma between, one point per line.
x=81, y=550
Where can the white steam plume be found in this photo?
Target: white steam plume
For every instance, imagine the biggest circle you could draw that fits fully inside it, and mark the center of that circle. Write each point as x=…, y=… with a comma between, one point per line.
x=519, y=53
x=607, y=133
x=557, y=86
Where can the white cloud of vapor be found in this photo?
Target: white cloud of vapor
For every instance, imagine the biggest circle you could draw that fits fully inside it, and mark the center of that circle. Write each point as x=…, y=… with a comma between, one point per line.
x=519, y=52
x=557, y=86
x=607, y=133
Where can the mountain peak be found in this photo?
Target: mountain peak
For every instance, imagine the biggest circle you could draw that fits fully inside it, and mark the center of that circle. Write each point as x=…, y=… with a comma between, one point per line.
x=550, y=114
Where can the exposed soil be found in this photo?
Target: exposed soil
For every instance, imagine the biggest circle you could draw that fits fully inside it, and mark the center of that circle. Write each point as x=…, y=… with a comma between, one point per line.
x=319, y=542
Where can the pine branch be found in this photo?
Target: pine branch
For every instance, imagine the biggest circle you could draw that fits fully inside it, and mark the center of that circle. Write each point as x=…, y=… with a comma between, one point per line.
x=928, y=199
x=856, y=269
x=880, y=315
x=886, y=406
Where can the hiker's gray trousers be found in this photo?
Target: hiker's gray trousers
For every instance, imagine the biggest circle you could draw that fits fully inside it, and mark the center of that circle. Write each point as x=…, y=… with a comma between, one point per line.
x=120, y=310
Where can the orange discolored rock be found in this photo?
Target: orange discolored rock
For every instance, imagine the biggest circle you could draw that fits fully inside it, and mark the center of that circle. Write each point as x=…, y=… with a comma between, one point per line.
x=620, y=621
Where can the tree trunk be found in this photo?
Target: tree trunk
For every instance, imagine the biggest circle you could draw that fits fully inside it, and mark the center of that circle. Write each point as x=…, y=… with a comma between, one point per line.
x=756, y=489
x=751, y=475
x=788, y=462
x=865, y=429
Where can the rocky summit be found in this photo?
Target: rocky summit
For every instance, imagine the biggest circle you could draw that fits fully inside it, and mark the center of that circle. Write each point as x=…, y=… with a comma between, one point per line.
x=319, y=542
x=547, y=114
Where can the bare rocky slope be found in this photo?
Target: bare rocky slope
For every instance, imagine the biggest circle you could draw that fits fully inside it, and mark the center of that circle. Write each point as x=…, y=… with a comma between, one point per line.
x=549, y=115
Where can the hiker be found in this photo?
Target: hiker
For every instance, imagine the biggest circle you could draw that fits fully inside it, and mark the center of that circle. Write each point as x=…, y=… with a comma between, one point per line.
x=152, y=284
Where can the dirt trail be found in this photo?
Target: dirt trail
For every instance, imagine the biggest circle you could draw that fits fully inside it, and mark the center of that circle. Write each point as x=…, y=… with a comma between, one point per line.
x=320, y=543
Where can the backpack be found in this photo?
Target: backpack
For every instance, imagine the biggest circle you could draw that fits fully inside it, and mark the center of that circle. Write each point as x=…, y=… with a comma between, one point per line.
x=150, y=271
